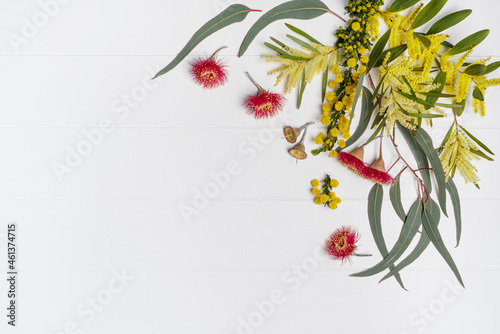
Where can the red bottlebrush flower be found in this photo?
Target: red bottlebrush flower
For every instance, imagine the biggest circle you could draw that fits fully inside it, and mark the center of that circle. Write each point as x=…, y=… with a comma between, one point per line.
x=353, y=160
x=342, y=243
x=265, y=104
x=209, y=72
x=376, y=173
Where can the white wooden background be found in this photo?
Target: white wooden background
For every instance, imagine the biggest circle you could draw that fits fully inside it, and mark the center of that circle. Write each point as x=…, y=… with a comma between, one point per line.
x=117, y=212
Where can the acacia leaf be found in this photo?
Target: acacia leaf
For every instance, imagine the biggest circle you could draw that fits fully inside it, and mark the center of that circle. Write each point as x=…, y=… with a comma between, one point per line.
x=448, y=21
x=377, y=50
x=428, y=13
x=400, y=5
x=366, y=106
x=468, y=42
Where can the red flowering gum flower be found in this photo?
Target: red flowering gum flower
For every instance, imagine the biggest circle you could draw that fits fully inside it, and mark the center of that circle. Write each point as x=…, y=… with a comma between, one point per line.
x=353, y=160
x=377, y=174
x=209, y=72
x=342, y=243
x=265, y=104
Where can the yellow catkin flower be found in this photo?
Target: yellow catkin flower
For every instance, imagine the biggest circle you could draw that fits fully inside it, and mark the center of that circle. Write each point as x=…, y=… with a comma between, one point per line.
x=339, y=106
x=355, y=26
x=463, y=86
x=323, y=198
x=334, y=183
x=333, y=154
x=341, y=143
x=479, y=107
x=316, y=191
x=315, y=183
x=325, y=120
x=317, y=200
x=339, y=77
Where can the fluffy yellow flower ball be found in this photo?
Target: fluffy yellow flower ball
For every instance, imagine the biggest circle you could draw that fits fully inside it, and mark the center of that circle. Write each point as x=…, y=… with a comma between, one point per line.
x=334, y=183
x=315, y=182
x=356, y=26
x=352, y=62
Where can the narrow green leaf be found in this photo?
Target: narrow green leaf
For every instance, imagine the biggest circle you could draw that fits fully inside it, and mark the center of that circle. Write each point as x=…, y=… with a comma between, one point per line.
x=410, y=228
x=449, y=105
x=298, y=9
x=363, y=122
x=447, y=44
x=276, y=49
x=302, y=43
x=375, y=198
x=379, y=128
x=492, y=67
x=431, y=227
x=377, y=49
x=428, y=13
x=379, y=85
x=395, y=194
x=457, y=211
x=303, y=33
x=419, y=154
x=281, y=44
x=233, y=14
x=445, y=139
x=439, y=79
x=468, y=42
x=477, y=141
x=477, y=94
x=294, y=58
x=448, y=21
x=359, y=87
x=475, y=69
x=400, y=5
x=425, y=142
x=324, y=84
x=435, y=94
x=481, y=154
x=418, y=100
x=302, y=88
x=409, y=86
x=395, y=53
x=421, y=245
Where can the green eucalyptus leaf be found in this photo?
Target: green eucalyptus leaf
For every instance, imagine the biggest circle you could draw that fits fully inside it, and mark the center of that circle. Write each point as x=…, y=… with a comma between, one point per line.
x=375, y=198
x=457, y=211
x=410, y=228
x=395, y=195
x=468, y=42
x=428, y=13
x=422, y=244
x=297, y=9
x=431, y=228
x=448, y=21
x=492, y=67
x=475, y=69
x=419, y=154
x=363, y=121
x=303, y=33
x=377, y=50
x=477, y=94
x=400, y=5
x=425, y=142
x=233, y=14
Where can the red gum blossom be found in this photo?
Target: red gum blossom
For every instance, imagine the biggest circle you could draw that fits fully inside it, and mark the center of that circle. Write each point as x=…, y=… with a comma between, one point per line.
x=376, y=173
x=351, y=162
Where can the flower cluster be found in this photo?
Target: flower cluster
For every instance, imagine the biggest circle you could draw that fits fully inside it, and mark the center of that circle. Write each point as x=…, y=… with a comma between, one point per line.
x=375, y=173
x=324, y=194
x=349, y=64
x=342, y=243
x=458, y=154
